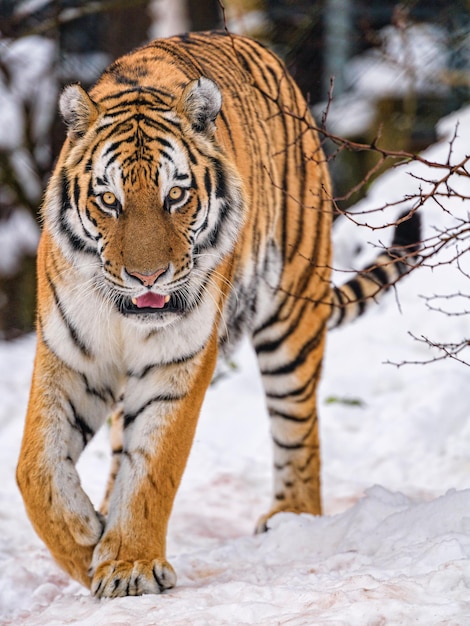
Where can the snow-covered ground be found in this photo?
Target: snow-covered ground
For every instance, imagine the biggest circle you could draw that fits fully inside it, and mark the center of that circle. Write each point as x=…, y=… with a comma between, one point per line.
x=394, y=544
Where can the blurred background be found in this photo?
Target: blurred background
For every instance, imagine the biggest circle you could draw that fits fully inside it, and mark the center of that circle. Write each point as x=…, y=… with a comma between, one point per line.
x=382, y=68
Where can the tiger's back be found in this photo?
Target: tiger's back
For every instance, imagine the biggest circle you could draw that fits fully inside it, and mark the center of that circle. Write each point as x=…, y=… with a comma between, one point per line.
x=190, y=203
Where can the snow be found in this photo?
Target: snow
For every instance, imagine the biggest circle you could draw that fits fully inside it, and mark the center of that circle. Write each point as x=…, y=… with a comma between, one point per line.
x=28, y=96
x=29, y=7
x=19, y=235
x=394, y=544
x=408, y=62
x=30, y=82
x=167, y=18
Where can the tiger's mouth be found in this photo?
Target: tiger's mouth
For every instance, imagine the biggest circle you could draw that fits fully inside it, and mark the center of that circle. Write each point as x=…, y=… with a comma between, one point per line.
x=151, y=303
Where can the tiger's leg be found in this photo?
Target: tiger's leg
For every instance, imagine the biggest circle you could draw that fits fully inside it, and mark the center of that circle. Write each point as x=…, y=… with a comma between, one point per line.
x=58, y=426
x=290, y=348
x=130, y=558
x=116, y=436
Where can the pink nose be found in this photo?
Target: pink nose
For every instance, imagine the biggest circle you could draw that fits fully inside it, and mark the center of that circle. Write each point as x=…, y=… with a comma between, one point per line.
x=148, y=280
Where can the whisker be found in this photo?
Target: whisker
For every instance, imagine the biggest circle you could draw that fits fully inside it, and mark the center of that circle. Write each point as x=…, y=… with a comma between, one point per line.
x=228, y=282
x=204, y=287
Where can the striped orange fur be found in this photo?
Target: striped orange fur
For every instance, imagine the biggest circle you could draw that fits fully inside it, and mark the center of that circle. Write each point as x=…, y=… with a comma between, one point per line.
x=190, y=204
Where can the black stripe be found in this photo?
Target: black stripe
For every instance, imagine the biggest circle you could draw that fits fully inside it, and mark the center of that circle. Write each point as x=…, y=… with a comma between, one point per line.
x=82, y=347
x=288, y=446
x=310, y=458
x=276, y=316
x=381, y=276
x=116, y=144
x=220, y=179
x=76, y=192
x=212, y=238
x=161, y=587
x=160, y=125
x=301, y=207
x=163, y=142
x=80, y=424
x=288, y=417
x=356, y=288
x=77, y=209
x=40, y=330
x=129, y=418
x=275, y=344
x=299, y=444
x=299, y=394
x=299, y=360
x=138, y=96
x=228, y=129
x=341, y=306
x=208, y=182
x=185, y=59
x=106, y=394
x=151, y=366
x=78, y=244
x=187, y=147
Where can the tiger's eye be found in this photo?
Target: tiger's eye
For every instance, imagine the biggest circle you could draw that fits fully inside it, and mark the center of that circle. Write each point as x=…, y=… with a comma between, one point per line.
x=176, y=193
x=109, y=199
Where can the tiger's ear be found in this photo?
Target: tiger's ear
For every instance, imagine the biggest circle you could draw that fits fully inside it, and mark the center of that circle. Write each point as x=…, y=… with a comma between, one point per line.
x=200, y=103
x=78, y=110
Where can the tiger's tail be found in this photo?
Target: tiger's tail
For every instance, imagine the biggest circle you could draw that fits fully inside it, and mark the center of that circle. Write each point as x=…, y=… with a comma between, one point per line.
x=352, y=299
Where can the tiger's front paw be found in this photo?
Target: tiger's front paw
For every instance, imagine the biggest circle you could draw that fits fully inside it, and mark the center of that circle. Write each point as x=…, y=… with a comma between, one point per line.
x=113, y=579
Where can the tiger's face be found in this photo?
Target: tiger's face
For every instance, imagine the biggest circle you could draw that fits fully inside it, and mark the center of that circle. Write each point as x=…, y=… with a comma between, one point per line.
x=148, y=192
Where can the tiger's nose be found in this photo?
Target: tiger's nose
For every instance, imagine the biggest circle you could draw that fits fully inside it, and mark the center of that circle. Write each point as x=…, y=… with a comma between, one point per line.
x=148, y=280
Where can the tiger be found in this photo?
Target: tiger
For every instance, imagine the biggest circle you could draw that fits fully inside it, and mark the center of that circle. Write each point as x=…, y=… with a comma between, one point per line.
x=190, y=205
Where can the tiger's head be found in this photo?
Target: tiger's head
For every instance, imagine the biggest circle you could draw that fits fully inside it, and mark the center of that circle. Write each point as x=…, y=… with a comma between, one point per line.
x=144, y=195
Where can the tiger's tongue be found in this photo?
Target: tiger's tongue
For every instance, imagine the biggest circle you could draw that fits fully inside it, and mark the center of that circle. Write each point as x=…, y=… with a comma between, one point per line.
x=150, y=300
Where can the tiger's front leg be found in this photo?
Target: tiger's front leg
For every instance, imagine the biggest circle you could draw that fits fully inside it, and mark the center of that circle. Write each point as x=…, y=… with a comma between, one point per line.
x=63, y=414
x=130, y=558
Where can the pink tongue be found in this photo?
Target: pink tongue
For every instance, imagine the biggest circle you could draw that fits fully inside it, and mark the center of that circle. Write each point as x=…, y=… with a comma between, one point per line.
x=151, y=300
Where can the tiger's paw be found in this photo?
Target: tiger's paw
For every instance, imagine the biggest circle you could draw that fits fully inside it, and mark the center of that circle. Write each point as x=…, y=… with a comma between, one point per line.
x=113, y=579
x=262, y=525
